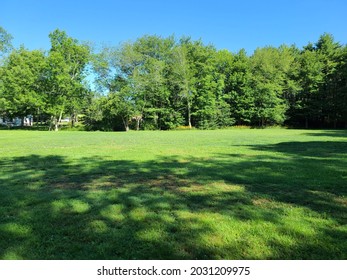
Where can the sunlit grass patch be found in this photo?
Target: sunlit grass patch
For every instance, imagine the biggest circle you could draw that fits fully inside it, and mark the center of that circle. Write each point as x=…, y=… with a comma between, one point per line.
x=98, y=226
x=113, y=212
x=69, y=206
x=15, y=229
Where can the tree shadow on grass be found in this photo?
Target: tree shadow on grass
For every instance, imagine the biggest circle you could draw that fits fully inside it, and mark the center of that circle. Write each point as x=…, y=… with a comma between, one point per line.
x=308, y=174
x=331, y=133
x=260, y=206
x=96, y=209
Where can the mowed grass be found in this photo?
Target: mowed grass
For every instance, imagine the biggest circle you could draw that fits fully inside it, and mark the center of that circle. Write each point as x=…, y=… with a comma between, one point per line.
x=224, y=194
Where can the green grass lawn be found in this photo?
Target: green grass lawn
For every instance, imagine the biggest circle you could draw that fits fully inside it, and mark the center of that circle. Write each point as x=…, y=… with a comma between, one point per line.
x=224, y=194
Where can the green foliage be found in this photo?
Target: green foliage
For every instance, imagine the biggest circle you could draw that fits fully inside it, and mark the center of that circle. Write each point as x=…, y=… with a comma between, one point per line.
x=322, y=80
x=67, y=61
x=45, y=85
x=237, y=85
x=268, y=76
x=161, y=83
x=22, y=77
x=210, y=89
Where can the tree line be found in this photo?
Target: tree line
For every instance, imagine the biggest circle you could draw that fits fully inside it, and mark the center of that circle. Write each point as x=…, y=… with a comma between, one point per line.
x=157, y=83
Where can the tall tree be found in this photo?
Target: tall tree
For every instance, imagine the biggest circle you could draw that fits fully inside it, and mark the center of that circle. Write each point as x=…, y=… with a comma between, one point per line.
x=321, y=78
x=267, y=83
x=181, y=82
x=22, y=78
x=311, y=77
x=237, y=89
x=67, y=61
x=329, y=52
x=209, y=109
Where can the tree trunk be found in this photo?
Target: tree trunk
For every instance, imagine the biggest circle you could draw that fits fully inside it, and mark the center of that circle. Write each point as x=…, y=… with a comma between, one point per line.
x=138, y=119
x=51, y=123
x=306, y=122
x=59, y=121
x=137, y=124
x=72, y=120
x=125, y=123
x=155, y=118
x=189, y=115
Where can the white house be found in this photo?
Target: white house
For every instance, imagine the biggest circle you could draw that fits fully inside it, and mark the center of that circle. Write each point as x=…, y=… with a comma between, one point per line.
x=28, y=121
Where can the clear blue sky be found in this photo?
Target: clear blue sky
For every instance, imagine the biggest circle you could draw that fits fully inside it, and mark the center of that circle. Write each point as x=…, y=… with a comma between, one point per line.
x=228, y=25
